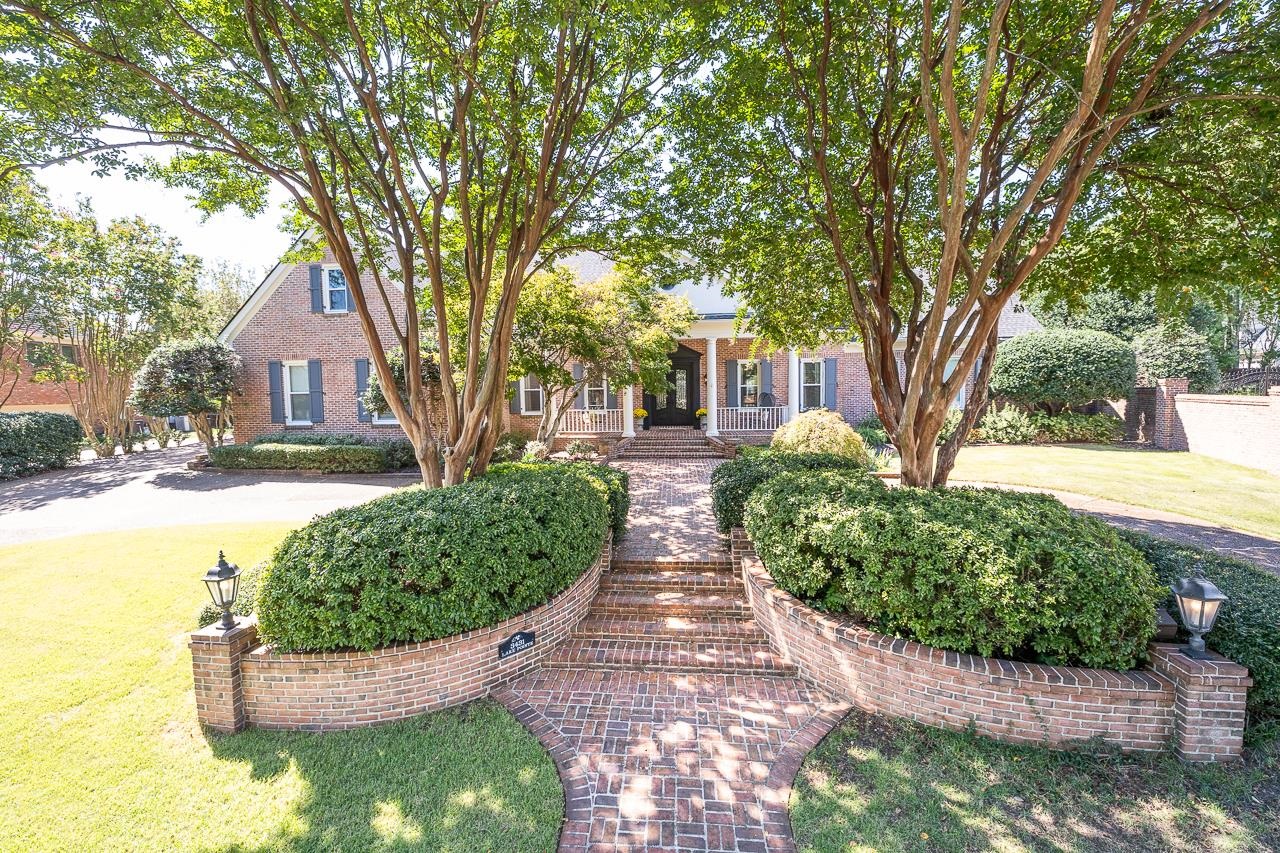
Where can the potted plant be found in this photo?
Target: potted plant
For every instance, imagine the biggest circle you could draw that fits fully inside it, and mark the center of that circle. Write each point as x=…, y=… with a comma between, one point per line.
x=642, y=415
x=701, y=415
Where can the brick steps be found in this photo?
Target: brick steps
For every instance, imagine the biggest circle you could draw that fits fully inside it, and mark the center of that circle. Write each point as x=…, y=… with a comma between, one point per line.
x=672, y=443
x=674, y=580
x=616, y=626
x=668, y=656
x=671, y=604
x=710, y=563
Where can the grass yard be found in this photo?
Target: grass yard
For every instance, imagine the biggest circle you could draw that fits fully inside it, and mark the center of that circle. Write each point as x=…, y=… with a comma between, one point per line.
x=880, y=784
x=100, y=748
x=1187, y=483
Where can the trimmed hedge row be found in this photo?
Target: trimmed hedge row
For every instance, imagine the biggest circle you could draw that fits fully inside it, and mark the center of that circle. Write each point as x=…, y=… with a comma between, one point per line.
x=421, y=564
x=1063, y=367
x=328, y=459
x=1248, y=626
x=734, y=481
x=399, y=450
x=31, y=442
x=970, y=570
x=614, y=484
x=1011, y=425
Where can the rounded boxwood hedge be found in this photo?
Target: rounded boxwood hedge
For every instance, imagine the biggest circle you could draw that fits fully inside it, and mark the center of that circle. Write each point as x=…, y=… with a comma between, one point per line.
x=1063, y=367
x=31, y=442
x=734, y=481
x=970, y=570
x=421, y=564
x=614, y=484
x=821, y=431
x=1176, y=351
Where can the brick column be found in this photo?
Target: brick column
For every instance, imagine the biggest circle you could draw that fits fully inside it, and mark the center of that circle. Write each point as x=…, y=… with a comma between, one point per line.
x=1209, y=708
x=215, y=665
x=1167, y=431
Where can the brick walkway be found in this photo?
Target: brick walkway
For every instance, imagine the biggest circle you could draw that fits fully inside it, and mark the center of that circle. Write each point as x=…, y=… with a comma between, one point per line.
x=672, y=723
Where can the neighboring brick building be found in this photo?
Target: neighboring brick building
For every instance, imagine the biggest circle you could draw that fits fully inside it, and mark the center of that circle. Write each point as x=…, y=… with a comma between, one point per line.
x=29, y=395
x=306, y=361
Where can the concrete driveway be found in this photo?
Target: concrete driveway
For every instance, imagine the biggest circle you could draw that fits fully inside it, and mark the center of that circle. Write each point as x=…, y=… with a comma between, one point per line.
x=155, y=489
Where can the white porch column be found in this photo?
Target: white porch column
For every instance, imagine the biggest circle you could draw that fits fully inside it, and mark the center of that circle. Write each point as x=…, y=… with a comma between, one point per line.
x=793, y=383
x=629, y=412
x=713, y=407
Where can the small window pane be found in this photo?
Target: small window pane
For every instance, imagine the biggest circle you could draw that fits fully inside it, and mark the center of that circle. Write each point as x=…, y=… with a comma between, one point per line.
x=811, y=397
x=300, y=407
x=682, y=389
x=337, y=291
x=299, y=379
x=813, y=373
x=750, y=383
x=595, y=397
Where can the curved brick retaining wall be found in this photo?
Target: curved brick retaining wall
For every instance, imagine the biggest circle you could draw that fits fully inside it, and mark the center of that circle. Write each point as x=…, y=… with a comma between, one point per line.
x=1198, y=707
x=239, y=682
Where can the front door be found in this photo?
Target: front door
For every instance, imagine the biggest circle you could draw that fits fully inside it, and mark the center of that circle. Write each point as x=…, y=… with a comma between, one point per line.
x=676, y=405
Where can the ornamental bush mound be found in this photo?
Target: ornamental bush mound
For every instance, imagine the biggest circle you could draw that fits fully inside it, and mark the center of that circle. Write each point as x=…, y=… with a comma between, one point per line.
x=31, y=442
x=820, y=431
x=614, y=484
x=1248, y=626
x=734, y=481
x=325, y=458
x=1056, y=368
x=1176, y=351
x=969, y=570
x=421, y=564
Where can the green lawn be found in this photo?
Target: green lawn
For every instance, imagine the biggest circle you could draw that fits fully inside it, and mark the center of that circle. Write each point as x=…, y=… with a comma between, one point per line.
x=879, y=784
x=1231, y=495
x=100, y=748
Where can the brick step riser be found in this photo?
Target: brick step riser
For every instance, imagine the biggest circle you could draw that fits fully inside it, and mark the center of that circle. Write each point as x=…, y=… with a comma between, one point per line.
x=728, y=631
x=649, y=662
x=676, y=456
x=656, y=587
x=780, y=670
x=660, y=609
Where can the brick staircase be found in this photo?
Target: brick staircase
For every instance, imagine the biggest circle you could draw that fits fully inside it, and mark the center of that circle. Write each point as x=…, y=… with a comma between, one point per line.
x=670, y=616
x=670, y=443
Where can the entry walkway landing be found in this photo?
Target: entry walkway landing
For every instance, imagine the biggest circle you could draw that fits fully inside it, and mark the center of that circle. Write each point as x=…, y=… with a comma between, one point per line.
x=672, y=723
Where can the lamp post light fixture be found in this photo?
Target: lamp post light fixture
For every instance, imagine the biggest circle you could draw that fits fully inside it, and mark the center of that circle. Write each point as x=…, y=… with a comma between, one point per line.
x=223, y=581
x=1199, y=601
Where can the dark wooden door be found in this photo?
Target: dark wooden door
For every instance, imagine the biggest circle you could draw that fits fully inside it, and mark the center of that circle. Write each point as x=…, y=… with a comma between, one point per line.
x=675, y=406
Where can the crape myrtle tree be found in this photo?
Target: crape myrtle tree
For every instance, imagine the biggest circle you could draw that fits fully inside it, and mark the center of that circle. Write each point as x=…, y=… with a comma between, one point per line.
x=620, y=328
x=26, y=289
x=195, y=377
x=896, y=172
x=444, y=150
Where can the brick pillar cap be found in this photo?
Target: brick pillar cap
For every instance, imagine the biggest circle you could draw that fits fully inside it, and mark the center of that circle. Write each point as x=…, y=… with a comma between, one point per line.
x=214, y=634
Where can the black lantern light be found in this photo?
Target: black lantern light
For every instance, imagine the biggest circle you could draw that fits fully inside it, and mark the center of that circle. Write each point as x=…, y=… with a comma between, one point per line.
x=1199, y=601
x=223, y=581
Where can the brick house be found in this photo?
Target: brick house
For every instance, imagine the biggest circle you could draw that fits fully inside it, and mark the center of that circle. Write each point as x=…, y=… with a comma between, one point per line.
x=307, y=363
x=29, y=395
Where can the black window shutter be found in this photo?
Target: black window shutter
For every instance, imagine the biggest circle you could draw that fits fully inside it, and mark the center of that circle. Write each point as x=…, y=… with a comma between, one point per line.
x=316, y=379
x=731, y=383
x=317, y=297
x=513, y=388
x=766, y=382
x=829, y=384
x=275, y=385
x=579, y=397
x=362, y=385
x=611, y=397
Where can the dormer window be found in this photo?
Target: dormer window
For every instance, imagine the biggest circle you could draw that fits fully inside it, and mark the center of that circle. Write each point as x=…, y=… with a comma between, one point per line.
x=335, y=291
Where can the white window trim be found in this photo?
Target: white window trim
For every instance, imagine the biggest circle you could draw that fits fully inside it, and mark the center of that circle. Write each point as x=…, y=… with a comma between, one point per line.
x=603, y=386
x=542, y=395
x=324, y=289
x=742, y=384
x=287, y=388
x=383, y=418
x=822, y=380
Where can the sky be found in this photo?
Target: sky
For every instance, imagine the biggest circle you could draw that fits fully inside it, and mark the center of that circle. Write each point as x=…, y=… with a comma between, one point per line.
x=254, y=244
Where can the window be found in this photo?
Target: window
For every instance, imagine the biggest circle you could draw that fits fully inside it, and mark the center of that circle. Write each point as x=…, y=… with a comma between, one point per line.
x=335, y=291
x=597, y=393
x=810, y=384
x=958, y=402
x=385, y=418
x=41, y=354
x=749, y=383
x=297, y=393
x=530, y=396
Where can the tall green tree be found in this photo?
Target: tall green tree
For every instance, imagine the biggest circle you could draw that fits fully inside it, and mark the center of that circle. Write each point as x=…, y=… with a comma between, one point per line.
x=27, y=290
x=895, y=172
x=448, y=148
x=128, y=288
x=619, y=328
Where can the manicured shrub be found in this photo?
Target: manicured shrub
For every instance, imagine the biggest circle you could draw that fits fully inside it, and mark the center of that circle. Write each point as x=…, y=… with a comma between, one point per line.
x=969, y=570
x=1175, y=350
x=820, y=431
x=614, y=484
x=734, y=481
x=31, y=442
x=329, y=459
x=246, y=600
x=949, y=425
x=1056, y=368
x=510, y=447
x=399, y=451
x=536, y=451
x=1075, y=427
x=1007, y=425
x=420, y=564
x=580, y=449
x=872, y=431
x=1248, y=626
x=196, y=378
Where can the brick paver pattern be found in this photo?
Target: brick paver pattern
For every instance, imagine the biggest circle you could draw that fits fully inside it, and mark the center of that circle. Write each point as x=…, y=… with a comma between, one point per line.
x=674, y=725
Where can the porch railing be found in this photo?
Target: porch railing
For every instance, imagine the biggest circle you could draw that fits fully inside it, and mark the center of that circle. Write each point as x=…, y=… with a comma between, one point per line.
x=751, y=418
x=592, y=420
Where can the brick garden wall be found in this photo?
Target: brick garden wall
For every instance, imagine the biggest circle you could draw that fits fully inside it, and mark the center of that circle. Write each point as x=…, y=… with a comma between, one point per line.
x=1231, y=427
x=1198, y=706
x=239, y=682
